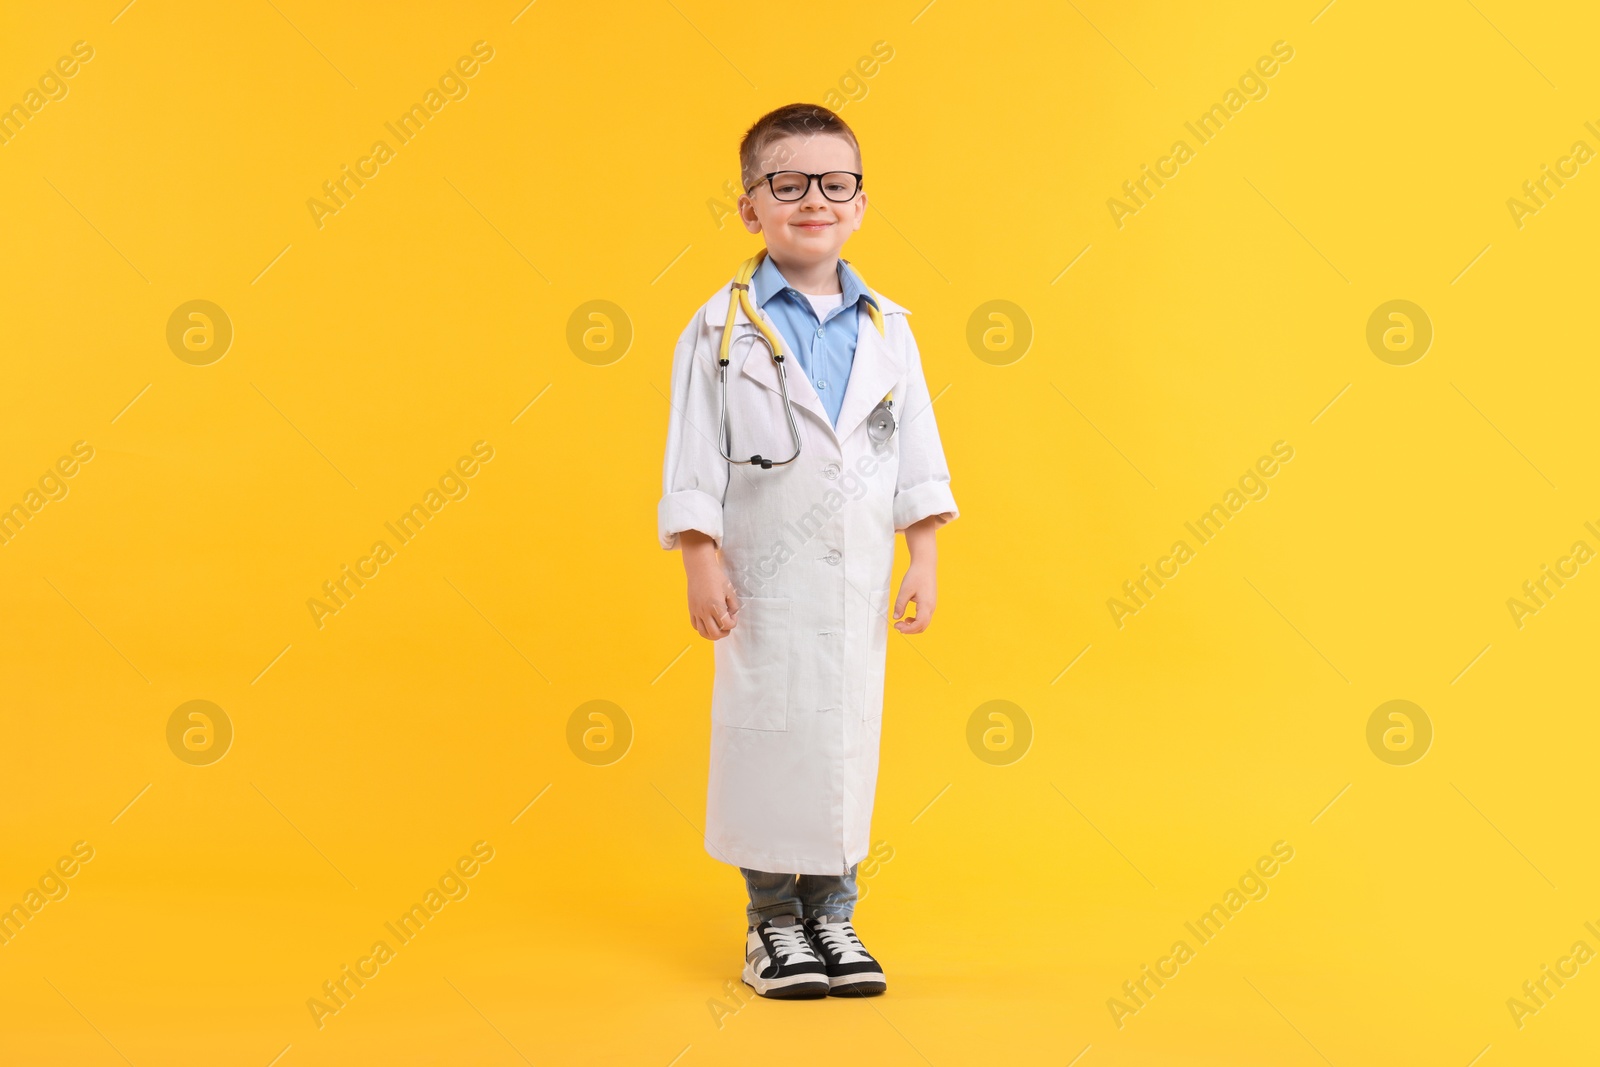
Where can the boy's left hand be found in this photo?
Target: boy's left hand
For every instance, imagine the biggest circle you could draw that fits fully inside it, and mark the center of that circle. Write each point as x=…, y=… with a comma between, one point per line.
x=919, y=587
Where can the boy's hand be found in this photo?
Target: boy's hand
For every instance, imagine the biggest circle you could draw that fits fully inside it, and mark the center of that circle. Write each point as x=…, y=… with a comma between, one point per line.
x=713, y=605
x=919, y=587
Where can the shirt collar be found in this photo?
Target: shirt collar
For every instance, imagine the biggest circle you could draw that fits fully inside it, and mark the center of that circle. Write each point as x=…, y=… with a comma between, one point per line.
x=768, y=281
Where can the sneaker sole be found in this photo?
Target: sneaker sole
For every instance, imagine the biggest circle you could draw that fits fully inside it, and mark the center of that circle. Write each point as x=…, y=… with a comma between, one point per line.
x=856, y=985
x=795, y=987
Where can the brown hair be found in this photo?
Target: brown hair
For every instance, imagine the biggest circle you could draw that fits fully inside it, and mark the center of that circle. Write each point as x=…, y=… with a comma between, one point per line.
x=755, y=157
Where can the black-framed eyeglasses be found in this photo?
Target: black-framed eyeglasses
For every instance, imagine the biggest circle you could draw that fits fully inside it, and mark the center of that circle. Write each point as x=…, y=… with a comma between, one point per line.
x=840, y=186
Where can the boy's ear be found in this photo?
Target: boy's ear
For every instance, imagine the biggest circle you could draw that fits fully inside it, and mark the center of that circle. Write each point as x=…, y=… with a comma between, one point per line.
x=747, y=213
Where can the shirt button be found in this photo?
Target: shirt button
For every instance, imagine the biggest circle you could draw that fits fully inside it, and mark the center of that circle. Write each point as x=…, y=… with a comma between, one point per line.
x=831, y=471
x=833, y=558
x=823, y=384
x=819, y=331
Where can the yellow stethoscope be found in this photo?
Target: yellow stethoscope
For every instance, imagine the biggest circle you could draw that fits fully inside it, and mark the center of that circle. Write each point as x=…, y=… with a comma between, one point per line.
x=880, y=423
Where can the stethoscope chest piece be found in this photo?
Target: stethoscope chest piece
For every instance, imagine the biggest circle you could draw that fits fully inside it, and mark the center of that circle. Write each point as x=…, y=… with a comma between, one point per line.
x=880, y=423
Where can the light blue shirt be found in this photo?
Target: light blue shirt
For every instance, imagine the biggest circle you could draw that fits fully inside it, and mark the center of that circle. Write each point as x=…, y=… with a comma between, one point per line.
x=825, y=349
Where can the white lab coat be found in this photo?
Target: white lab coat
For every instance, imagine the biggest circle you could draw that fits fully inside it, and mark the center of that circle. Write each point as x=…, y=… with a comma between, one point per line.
x=797, y=701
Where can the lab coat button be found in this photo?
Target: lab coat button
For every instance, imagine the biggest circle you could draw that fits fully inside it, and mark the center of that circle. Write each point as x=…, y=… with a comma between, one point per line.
x=833, y=558
x=831, y=471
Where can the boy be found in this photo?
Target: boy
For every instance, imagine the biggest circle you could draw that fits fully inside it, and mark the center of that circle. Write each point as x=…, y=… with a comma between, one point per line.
x=789, y=560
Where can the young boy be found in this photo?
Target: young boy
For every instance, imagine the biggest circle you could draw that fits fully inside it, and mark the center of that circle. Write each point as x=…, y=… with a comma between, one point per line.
x=789, y=560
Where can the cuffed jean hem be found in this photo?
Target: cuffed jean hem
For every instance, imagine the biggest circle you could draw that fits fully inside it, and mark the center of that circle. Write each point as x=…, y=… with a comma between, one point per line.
x=757, y=916
x=806, y=896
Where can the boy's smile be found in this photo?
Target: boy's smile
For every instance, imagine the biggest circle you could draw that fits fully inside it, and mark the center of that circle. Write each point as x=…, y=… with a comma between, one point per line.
x=804, y=237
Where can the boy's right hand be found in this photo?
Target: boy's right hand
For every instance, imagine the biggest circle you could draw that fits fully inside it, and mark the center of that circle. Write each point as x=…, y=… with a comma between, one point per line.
x=713, y=605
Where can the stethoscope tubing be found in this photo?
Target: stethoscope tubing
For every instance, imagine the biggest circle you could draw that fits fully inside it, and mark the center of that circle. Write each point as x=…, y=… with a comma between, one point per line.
x=739, y=295
x=788, y=410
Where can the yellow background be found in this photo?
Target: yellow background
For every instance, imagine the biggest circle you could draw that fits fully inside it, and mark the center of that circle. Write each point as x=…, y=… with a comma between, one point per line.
x=427, y=714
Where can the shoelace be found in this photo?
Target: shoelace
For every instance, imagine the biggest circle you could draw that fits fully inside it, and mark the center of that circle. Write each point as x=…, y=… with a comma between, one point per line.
x=841, y=940
x=790, y=943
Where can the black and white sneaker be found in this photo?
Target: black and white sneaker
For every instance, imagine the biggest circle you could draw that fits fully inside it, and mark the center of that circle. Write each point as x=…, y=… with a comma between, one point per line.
x=781, y=963
x=852, y=972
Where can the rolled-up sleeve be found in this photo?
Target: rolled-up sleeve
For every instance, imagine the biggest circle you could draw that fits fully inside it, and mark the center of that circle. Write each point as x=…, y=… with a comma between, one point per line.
x=923, y=486
x=694, y=475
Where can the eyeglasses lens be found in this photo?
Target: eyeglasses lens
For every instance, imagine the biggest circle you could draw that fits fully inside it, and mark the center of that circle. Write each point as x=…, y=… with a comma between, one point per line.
x=837, y=186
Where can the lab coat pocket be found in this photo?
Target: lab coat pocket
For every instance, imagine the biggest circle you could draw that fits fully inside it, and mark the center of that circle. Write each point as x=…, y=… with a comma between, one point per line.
x=750, y=689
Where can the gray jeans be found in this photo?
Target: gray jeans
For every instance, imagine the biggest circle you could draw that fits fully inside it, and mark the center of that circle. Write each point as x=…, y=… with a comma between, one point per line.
x=805, y=895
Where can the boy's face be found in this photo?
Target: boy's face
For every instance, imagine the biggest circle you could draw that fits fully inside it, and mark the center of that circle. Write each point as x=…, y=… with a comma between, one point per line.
x=811, y=230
